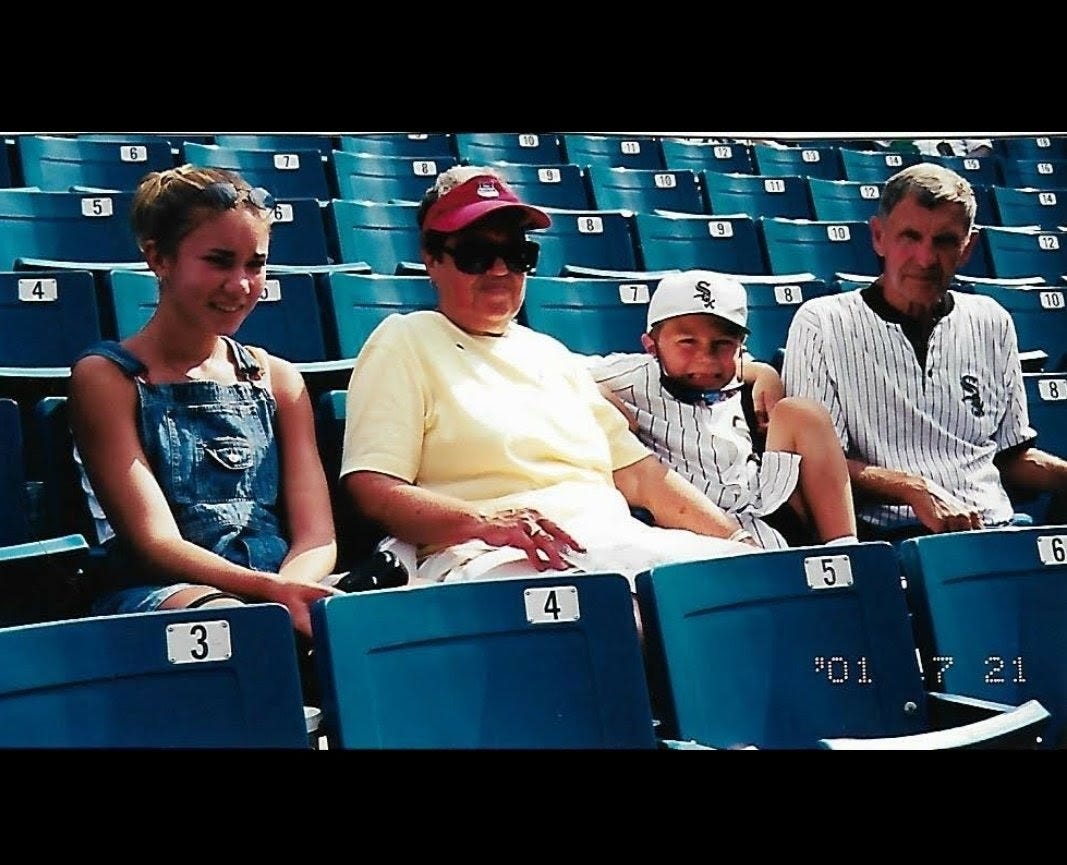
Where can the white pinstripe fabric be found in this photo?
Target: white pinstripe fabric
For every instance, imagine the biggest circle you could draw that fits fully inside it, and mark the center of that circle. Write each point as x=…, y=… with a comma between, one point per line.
x=890, y=412
x=708, y=445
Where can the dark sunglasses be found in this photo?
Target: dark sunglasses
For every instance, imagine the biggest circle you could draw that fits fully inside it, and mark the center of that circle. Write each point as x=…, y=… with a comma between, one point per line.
x=224, y=194
x=477, y=256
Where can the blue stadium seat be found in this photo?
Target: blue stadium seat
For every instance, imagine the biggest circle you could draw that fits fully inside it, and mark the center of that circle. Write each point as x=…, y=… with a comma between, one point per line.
x=7, y=176
x=65, y=226
x=700, y=155
x=1046, y=208
x=279, y=143
x=561, y=186
x=285, y=173
x=1040, y=316
x=1046, y=401
x=355, y=304
x=822, y=161
x=614, y=151
x=588, y=238
x=989, y=608
x=844, y=200
x=1036, y=173
x=875, y=166
x=526, y=148
x=544, y=662
x=589, y=316
x=57, y=164
x=818, y=247
x=802, y=648
x=1041, y=147
x=298, y=234
x=382, y=234
x=1026, y=251
x=643, y=191
x=411, y=145
x=772, y=303
x=370, y=177
x=979, y=170
x=756, y=195
x=729, y=244
x=218, y=678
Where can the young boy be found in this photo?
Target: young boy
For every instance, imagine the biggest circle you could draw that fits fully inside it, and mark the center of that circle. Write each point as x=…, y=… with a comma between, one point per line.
x=685, y=400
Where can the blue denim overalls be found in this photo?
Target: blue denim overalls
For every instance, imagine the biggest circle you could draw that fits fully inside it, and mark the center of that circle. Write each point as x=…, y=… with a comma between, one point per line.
x=212, y=449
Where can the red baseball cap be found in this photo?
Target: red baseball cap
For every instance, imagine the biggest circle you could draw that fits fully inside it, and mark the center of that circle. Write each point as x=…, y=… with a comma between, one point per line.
x=472, y=199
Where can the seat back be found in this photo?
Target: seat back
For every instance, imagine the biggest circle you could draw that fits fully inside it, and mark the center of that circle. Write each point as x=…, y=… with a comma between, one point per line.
x=644, y=190
x=355, y=304
x=979, y=170
x=779, y=649
x=14, y=524
x=370, y=177
x=844, y=200
x=614, y=151
x=526, y=148
x=729, y=244
x=989, y=609
x=559, y=185
x=206, y=678
x=1027, y=251
x=757, y=195
x=875, y=166
x=1039, y=147
x=284, y=173
x=819, y=247
x=413, y=145
x=1040, y=317
x=809, y=161
x=725, y=157
x=68, y=226
x=298, y=233
x=279, y=143
x=56, y=164
x=1046, y=208
x=772, y=303
x=382, y=234
x=540, y=662
x=589, y=238
x=1039, y=173
x=46, y=317
x=589, y=316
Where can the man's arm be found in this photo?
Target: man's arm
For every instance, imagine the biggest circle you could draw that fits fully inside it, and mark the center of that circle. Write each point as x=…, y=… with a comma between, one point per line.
x=934, y=506
x=1033, y=470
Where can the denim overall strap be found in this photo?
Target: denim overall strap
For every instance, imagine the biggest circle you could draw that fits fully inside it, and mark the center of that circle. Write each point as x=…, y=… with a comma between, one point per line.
x=248, y=368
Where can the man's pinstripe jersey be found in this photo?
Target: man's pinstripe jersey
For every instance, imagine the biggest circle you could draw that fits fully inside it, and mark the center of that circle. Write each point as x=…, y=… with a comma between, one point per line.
x=709, y=445
x=945, y=422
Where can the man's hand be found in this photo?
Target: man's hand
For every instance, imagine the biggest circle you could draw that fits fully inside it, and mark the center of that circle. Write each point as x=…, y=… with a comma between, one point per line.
x=940, y=512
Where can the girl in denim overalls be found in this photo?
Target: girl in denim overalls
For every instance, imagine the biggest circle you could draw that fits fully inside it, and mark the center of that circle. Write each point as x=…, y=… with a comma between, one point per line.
x=200, y=451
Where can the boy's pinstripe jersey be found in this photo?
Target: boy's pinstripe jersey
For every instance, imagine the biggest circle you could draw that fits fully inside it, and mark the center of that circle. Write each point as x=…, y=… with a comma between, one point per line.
x=709, y=445
x=945, y=421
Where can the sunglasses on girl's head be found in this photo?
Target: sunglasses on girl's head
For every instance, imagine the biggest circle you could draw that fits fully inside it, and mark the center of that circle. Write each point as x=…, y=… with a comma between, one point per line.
x=224, y=194
x=477, y=256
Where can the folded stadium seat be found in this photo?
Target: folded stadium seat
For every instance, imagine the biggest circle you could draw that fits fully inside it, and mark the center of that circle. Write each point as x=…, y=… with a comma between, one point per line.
x=1046, y=401
x=822, y=161
x=541, y=662
x=204, y=678
x=679, y=241
x=989, y=608
x=1026, y=251
x=978, y=170
x=382, y=234
x=804, y=648
x=1039, y=313
x=757, y=195
x=414, y=145
x=355, y=304
x=526, y=148
x=613, y=151
x=589, y=316
x=562, y=185
x=277, y=143
x=725, y=157
x=851, y=281
x=587, y=238
x=65, y=226
x=7, y=176
x=644, y=191
x=39, y=568
x=1034, y=173
x=875, y=166
x=844, y=200
x=57, y=164
x=284, y=173
x=371, y=177
x=1046, y=208
x=1039, y=148
x=772, y=303
x=818, y=247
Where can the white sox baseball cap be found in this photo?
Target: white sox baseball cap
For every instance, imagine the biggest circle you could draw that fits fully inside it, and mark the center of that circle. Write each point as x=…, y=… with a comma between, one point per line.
x=699, y=291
